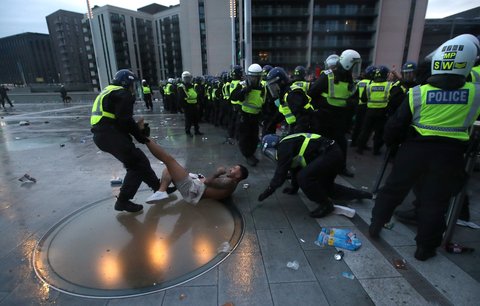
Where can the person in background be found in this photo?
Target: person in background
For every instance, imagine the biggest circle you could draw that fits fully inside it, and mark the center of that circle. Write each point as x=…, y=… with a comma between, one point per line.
x=147, y=95
x=4, y=96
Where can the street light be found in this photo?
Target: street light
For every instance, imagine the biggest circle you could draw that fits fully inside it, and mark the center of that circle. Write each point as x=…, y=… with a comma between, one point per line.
x=233, y=15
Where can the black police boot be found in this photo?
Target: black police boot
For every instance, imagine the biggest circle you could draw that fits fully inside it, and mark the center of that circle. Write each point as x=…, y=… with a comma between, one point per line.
x=423, y=253
x=407, y=216
x=126, y=205
x=322, y=210
x=189, y=134
x=374, y=229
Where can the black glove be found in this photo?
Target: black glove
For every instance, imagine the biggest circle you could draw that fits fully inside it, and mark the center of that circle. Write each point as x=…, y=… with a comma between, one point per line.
x=290, y=190
x=268, y=192
x=142, y=138
x=146, y=130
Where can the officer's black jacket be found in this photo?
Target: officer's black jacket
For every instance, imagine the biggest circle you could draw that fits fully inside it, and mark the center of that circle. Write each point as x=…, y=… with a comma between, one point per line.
x=296, y=101
x=321, y=86
x=397, y=95
x=288, y=149
x=398, y=128
x=120, y=103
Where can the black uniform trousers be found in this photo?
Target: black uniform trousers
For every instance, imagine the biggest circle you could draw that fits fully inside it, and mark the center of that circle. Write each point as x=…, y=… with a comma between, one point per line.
x=248, y=133
x=317, y=178
x=148, y=100
x=436, y=171
x=374, y=120
x=192, y=116
x=120, y=145
x=357, y=126
x=234, y=122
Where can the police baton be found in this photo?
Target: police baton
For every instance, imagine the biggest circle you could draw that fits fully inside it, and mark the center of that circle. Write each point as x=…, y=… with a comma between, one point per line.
x=380, y=175
x=457, y=201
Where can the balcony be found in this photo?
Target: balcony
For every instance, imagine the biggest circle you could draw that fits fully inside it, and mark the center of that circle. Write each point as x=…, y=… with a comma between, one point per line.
x=280, y=12
x=351, y=12
x=279, y=28
x=343, y=28
x=342, y=43
x=278, y=44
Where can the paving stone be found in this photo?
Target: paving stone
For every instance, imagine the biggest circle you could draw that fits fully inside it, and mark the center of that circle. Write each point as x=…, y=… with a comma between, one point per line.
x=191, y=296
x=153, y=299
x=304, y=293
x=392, y=291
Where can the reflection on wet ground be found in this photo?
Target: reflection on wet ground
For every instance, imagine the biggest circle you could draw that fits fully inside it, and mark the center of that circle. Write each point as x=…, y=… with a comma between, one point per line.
x=97, y=253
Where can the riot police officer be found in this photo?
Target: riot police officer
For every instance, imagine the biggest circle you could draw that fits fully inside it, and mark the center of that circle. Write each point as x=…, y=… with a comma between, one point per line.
x=112, y=127
x=188, y=97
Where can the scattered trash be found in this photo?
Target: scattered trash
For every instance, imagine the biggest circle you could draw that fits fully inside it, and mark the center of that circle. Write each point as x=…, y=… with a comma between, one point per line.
x=400, y=264
x=303, y=241
x=17, y=138
x=293, y=265
x=339, y=255
x=456, y=248
x=468, y=224
x=344, y=210
x=348, y=275
x=245, y=186
x=24, y=123
x=341, y=238
x=116, y=181
x=389, y=225
x=224, y=247
x=82, y=141
x=62, y=145
x=182, y=296
x=46, y=122
x=364, y=187
x=154, y=137
x=27, y=179
x=228, y=304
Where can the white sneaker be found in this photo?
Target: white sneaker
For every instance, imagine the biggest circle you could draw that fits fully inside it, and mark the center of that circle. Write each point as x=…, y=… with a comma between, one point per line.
x=343, y=210
x=157, y=197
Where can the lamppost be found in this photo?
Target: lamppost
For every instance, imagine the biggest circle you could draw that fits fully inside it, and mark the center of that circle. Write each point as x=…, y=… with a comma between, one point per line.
x=233, y=15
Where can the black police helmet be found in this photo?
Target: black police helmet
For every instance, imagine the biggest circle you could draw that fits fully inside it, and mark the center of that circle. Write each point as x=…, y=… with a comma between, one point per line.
x=370, y=72
x=299, y=73
x=381, y=73
x=124, y=78
x=237, y=72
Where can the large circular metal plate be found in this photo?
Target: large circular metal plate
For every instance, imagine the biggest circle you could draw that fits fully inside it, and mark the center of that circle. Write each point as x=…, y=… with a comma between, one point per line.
x=100, y=253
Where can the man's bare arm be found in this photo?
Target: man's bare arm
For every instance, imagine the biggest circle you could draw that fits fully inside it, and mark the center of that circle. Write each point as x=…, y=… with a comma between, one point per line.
x=221, y=183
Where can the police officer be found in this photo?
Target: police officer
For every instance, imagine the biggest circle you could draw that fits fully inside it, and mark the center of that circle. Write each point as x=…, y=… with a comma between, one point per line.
x=270, y=116
x=401, y=87
x=432, y=125
x=292, y=100
x=334, y=96
x=188, y=97
x=236, y=75
x=251, y=94
x=376, y=95
x=147, y=95
x=112, y=127
x=314, y=162
x=361, y=108
x=170, y=96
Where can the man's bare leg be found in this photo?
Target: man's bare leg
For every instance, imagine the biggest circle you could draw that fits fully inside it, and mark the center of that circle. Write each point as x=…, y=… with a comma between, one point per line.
x=165, y=180
x=176, y=171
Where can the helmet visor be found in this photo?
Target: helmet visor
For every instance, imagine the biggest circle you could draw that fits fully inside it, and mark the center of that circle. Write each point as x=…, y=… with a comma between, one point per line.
x=356, y=68
x=274, y=90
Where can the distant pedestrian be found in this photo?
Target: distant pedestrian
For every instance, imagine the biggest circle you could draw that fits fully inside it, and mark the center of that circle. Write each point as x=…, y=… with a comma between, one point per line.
x=63, y=94
x=4, y=96
x=147, y=95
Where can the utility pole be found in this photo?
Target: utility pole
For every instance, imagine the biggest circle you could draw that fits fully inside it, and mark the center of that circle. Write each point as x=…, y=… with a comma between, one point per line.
x=248, y=32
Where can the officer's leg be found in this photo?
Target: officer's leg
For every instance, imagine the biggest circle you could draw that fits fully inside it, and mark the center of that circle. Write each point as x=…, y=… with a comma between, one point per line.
x=188, y=119
x=340, y=192
x=316, y=179
x=359, y=116
x=365, y=132
x=406, y=170
x=378, y=138
x=444, y=179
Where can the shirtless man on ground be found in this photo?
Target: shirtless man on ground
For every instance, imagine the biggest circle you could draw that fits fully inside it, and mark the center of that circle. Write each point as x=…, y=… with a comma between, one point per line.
x=194, y=187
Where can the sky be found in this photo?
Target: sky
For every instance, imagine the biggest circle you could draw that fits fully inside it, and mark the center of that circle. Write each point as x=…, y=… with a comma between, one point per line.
x=19, y=16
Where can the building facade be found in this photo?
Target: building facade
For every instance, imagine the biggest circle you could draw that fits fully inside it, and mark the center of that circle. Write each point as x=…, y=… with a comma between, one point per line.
x=69, y=49
x=27, y=59
x=146, y=43
x=437, y=31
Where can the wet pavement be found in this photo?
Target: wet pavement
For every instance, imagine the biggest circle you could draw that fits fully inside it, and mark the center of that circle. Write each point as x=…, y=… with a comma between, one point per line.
x=70, y=209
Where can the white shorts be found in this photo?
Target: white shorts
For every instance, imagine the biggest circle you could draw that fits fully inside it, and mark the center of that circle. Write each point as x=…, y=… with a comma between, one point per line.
x=191, y=188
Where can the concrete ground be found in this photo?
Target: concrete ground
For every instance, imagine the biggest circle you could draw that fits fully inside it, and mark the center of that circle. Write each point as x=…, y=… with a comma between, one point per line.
x=56, y=149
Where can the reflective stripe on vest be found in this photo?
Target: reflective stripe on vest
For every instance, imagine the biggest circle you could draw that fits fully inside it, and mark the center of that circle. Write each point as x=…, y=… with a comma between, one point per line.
x=337, y=93
x=169, y=89
x=361, y=85
x=445, y=113
x=285, y=110
x=233, y=85
x=226, y=91
x=97, y=108
x=377, y=94
x=253, y=102
x=299, y=160
x=146, y=90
